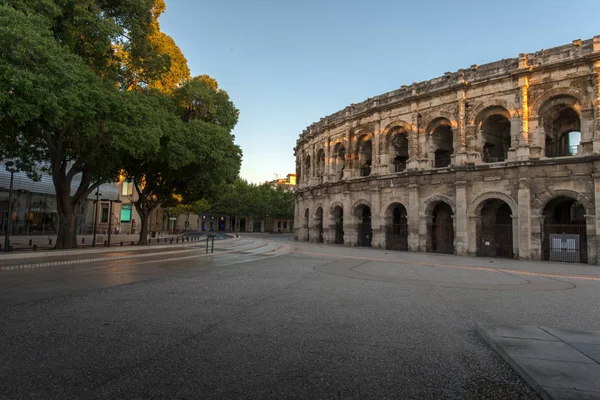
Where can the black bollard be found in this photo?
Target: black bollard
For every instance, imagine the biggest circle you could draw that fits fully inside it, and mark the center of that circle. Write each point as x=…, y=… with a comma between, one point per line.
x=177, y=240
x=35, y=247
x=105, y=243
x=121, y=243
x=50, y=242
x=132, y=242
x=82, y=240
x=30, y=242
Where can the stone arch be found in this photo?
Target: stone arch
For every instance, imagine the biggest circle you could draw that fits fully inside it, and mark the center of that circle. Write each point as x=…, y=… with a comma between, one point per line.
x=537, y=104
x=316, y=207
x=360, y=202
x=540, y=203
x=428, y=205
x=489, y=111
x=388, y=207
x=426, y=121
x=362, y=137
x=474, y=207
x=392, y=125
x=484, y=105
x=334, y=205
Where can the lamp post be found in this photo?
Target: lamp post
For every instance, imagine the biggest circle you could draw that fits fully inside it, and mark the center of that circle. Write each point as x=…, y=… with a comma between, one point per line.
x=11, y=167
x=98, y=194
x=110, y=216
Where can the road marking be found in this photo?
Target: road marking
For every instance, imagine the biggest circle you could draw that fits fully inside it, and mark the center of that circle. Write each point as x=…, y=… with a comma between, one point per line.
x=451, y=266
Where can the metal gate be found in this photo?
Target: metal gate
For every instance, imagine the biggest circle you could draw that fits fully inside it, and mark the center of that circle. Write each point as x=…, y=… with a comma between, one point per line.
x=365, y=234
x=496, y=241
x=339, y=232
x=567, y=243
x=396, y=237
x=441, y=238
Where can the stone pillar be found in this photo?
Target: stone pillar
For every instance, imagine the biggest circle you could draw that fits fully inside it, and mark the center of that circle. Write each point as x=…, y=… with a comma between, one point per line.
x=523, y=147
x=596, y=220
x=378, y=240
x=515, y=132
x=350, y=227
x=526, y=221
x=461, y=237
x=413, y=217
x=473, y=221
x=596, y=99
x=375, y=148
x=460, y=153
x=473, y=151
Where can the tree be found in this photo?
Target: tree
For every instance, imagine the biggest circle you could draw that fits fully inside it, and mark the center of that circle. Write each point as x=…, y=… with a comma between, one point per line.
x=57, y=79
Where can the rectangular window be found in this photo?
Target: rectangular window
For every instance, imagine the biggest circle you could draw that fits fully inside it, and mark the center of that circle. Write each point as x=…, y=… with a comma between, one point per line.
x=126, y=213
x=127, y=188
x=104, y=213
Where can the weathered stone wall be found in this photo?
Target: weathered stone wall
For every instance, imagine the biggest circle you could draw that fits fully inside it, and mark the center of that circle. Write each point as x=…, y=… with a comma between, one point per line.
x=516, y=109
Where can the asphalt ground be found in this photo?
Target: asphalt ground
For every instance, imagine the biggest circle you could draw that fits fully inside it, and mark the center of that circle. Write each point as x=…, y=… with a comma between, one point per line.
x=322, y=322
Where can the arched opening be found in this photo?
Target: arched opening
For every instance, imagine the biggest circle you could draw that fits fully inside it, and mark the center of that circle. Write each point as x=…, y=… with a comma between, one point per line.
x=562, y=128
x=319, y=221
x=338, y=220
x=307, y=168
x=441, y=230
x=365, y=233
x=320, y=163
x=495, y=132
x=397, y=228
x=365, y=157
x=398, y=149
x=442, y=142
x=307, y=224
x=339, y=154
x=495, y=230
x=564, y=231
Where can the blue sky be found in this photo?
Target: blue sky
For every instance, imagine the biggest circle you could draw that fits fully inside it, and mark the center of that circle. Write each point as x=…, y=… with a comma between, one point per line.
x=288, y=63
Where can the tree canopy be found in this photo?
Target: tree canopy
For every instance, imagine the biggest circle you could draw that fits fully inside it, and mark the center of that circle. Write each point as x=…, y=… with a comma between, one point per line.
x=94, y=89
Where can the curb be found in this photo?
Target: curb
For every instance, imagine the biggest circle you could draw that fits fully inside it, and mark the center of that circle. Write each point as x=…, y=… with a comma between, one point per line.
x=513, y=363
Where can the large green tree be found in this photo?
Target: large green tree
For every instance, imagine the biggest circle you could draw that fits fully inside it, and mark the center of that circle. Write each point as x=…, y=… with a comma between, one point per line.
x=59, y=79
x=197, y=154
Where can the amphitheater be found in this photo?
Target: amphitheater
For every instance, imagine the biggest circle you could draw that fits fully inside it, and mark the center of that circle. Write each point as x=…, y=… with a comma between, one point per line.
x=495, y=160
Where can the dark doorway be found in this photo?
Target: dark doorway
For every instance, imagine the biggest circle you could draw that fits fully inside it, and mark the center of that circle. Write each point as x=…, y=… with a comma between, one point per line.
x=319, y=220
x=564, y=231
x=365, y=233
x=397, y=231
x=495, y=230
x=338, y=219
x=441, y=230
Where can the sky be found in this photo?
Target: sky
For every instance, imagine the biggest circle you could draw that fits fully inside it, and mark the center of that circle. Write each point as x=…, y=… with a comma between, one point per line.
x=289, y=63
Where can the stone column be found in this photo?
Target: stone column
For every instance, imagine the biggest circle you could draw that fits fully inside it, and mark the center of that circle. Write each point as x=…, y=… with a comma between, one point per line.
x=523, y=147
x=460, y=153
x=414, y=137
x=378, y=240
x=350, y=227
x=413, y=217
x=473, y=221
x=596, y=99
x=348, y=157
x=375, y=148
x=596, y=221
x=515, y=133
x=525, y=220
x=461, y=238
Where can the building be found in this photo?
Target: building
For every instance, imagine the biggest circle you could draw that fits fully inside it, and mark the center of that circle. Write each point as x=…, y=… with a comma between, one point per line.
x=500, y=159
x=288, y=183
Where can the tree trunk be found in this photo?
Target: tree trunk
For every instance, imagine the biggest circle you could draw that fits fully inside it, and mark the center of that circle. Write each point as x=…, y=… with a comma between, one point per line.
x=66, y=237
x=144, y=226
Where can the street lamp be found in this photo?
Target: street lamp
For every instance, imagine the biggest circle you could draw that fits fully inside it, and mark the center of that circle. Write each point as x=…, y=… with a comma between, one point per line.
x=110, y=213
x=11, y=167
x=98, y=194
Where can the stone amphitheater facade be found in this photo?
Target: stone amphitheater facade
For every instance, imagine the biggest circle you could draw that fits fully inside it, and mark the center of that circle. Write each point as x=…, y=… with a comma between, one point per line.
x=500, y=160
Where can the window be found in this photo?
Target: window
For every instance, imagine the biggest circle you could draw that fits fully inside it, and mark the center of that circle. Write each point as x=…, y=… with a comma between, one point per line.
x=104, y=213
x=127, y=188
x=126, y=213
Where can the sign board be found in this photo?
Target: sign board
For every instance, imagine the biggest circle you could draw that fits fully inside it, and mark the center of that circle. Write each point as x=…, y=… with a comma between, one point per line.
x=172, y=218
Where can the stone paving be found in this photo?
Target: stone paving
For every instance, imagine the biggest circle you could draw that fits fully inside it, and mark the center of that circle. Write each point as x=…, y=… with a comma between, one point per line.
x=321, y=322
x=557, y=363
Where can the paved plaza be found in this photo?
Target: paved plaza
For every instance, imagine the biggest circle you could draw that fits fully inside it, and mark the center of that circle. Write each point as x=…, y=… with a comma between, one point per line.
x=266, y=317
